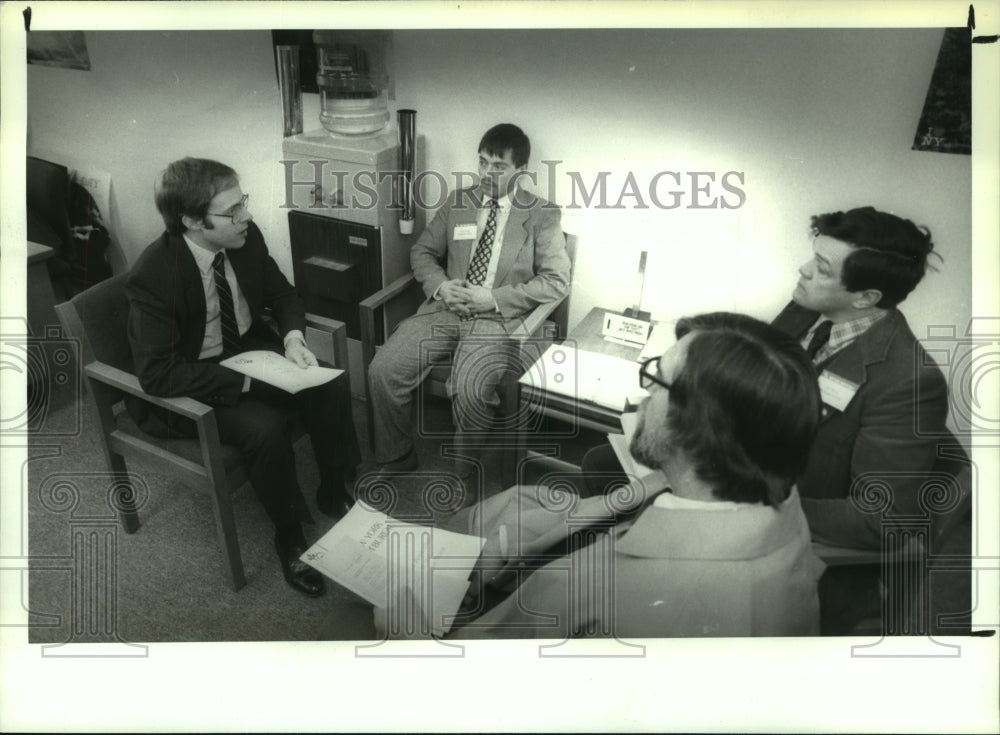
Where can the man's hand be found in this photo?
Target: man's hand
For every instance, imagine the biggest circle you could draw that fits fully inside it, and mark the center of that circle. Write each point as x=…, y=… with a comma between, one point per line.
x=477, y=299
x=297, y=352
x=451, y=293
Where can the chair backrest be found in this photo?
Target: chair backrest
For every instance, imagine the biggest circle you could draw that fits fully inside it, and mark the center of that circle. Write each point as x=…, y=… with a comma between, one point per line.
x=561, y=314
x=98, y=317
x=953, y=461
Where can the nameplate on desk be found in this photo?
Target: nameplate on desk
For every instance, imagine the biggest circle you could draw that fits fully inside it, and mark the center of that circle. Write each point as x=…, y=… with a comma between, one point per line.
x=619, y=328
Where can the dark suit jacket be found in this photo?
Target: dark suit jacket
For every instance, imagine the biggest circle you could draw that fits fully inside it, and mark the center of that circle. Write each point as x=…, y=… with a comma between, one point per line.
x=166, y=323
x=888, y=432
x=532, y=269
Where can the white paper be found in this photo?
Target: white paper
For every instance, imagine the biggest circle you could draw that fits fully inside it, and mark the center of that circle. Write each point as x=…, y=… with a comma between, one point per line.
x=376, y=556
x=590, y=376
x=660, y=340
x=279, y=371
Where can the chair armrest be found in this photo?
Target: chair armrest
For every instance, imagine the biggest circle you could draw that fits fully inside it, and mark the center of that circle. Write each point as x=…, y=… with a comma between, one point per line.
x=128, y=383
x=387, y=294
x=534, y=319
x=327, y=338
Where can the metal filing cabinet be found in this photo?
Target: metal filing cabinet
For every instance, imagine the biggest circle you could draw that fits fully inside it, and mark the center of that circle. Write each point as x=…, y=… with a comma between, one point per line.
x=344, y=227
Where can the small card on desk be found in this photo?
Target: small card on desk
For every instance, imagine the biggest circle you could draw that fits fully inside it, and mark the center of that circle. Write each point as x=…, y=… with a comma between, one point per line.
x=621, y=328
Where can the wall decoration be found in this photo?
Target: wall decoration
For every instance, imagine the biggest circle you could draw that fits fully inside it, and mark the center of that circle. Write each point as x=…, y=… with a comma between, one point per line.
x=946, y=122
x=66, y=49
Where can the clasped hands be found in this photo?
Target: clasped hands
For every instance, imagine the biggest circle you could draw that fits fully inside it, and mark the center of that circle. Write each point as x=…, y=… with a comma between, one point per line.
x=464, y=299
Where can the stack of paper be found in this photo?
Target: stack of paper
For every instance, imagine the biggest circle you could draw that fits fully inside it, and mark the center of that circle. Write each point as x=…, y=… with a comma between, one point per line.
x=279, y=371
x=588, y=376
x=378, y=557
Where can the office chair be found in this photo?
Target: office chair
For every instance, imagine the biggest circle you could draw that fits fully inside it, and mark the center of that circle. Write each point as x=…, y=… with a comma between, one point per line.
x=544, y=324
x=97, y=318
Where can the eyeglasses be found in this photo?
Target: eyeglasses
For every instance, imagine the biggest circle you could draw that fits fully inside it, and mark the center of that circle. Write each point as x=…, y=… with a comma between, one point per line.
x=237, y=213
x=647, y=378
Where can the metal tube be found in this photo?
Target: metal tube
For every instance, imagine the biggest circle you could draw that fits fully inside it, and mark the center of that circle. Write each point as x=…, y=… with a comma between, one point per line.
x=290, y=88
x=407, y=162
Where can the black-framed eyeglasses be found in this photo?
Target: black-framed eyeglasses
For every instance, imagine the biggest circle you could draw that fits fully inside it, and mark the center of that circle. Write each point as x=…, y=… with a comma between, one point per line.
x=647, y=378
x=237, y=213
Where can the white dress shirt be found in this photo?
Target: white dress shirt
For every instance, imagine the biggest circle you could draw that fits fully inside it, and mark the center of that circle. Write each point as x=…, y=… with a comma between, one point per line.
x=212, y=343
x=503, y=212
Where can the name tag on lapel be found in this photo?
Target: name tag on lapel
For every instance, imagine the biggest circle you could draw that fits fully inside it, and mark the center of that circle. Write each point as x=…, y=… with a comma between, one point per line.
x=836, y=391
x=464, y=232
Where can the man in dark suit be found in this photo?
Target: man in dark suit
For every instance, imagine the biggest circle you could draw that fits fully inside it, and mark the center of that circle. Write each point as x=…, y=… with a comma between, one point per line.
x=492, y=254
x=884, y=400
x=197, y=295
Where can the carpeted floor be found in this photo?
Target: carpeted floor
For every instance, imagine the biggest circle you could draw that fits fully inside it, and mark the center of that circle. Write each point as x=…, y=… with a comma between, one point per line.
x=167, y=582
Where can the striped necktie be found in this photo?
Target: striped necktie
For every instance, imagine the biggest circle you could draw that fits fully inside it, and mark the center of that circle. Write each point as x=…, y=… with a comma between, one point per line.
x=227, y=313
x=481, y=258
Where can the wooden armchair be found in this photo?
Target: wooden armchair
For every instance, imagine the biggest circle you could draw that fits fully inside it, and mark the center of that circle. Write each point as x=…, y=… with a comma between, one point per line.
x=97, y=318
x=400, y=299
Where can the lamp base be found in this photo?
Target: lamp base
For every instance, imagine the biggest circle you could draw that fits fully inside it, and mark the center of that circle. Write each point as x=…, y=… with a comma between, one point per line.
x=643, y=316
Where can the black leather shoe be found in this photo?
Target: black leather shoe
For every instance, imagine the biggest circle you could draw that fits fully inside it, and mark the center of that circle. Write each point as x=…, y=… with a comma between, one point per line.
x=299, y=575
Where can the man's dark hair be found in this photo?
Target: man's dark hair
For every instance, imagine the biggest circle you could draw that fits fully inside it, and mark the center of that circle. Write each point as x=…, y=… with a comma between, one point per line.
x=506, y=137
x=187, y=187
x=890, y=253
x=745, y=407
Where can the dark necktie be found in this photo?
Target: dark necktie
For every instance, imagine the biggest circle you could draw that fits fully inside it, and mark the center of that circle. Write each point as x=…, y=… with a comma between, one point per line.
x=481, y=258
x=820, y=337
x=227, y=314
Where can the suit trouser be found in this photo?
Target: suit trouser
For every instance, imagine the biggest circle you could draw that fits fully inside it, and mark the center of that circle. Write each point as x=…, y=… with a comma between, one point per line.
x=481, y=354
x=261, y=427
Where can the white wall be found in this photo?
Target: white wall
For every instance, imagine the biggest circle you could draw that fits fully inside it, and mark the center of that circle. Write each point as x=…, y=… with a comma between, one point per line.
x=815, y=119
x=152, y=97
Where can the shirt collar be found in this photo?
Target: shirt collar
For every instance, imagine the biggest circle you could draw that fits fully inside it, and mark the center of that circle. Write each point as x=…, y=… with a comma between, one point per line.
x=202, y=257
x=675, y=502
x=844, y=333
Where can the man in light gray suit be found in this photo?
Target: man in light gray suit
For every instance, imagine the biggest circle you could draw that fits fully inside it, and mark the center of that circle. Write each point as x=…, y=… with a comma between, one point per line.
x=492, y=253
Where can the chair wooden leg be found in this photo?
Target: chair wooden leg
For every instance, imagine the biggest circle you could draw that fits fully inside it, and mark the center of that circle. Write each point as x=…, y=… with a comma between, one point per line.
x=124, y=504
x=225, y=525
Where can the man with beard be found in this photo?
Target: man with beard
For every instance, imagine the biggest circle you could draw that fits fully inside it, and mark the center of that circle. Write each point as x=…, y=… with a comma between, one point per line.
x=722, y=550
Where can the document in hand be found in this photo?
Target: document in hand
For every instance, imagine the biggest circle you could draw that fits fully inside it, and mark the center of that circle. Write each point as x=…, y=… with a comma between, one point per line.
x=588, y=376
x=279, y=371
x=374, y=555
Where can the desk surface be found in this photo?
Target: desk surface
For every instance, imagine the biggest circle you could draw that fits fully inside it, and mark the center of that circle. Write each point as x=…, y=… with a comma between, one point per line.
x=37, y=252
x=587, y=336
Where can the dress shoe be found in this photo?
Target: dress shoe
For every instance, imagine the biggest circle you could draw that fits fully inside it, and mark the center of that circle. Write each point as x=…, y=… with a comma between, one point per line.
x=299, y=575
x=406, y=463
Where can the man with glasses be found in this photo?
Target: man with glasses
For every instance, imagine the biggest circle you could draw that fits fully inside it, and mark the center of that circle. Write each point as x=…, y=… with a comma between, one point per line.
x=885, y=401
x=492, y=254
x=197, y=295
x=722, y=550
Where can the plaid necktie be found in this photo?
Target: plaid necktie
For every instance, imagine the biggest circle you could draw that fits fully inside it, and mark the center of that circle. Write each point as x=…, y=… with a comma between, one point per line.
x=227, y=314
x=481, y=258
x=820, y=337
